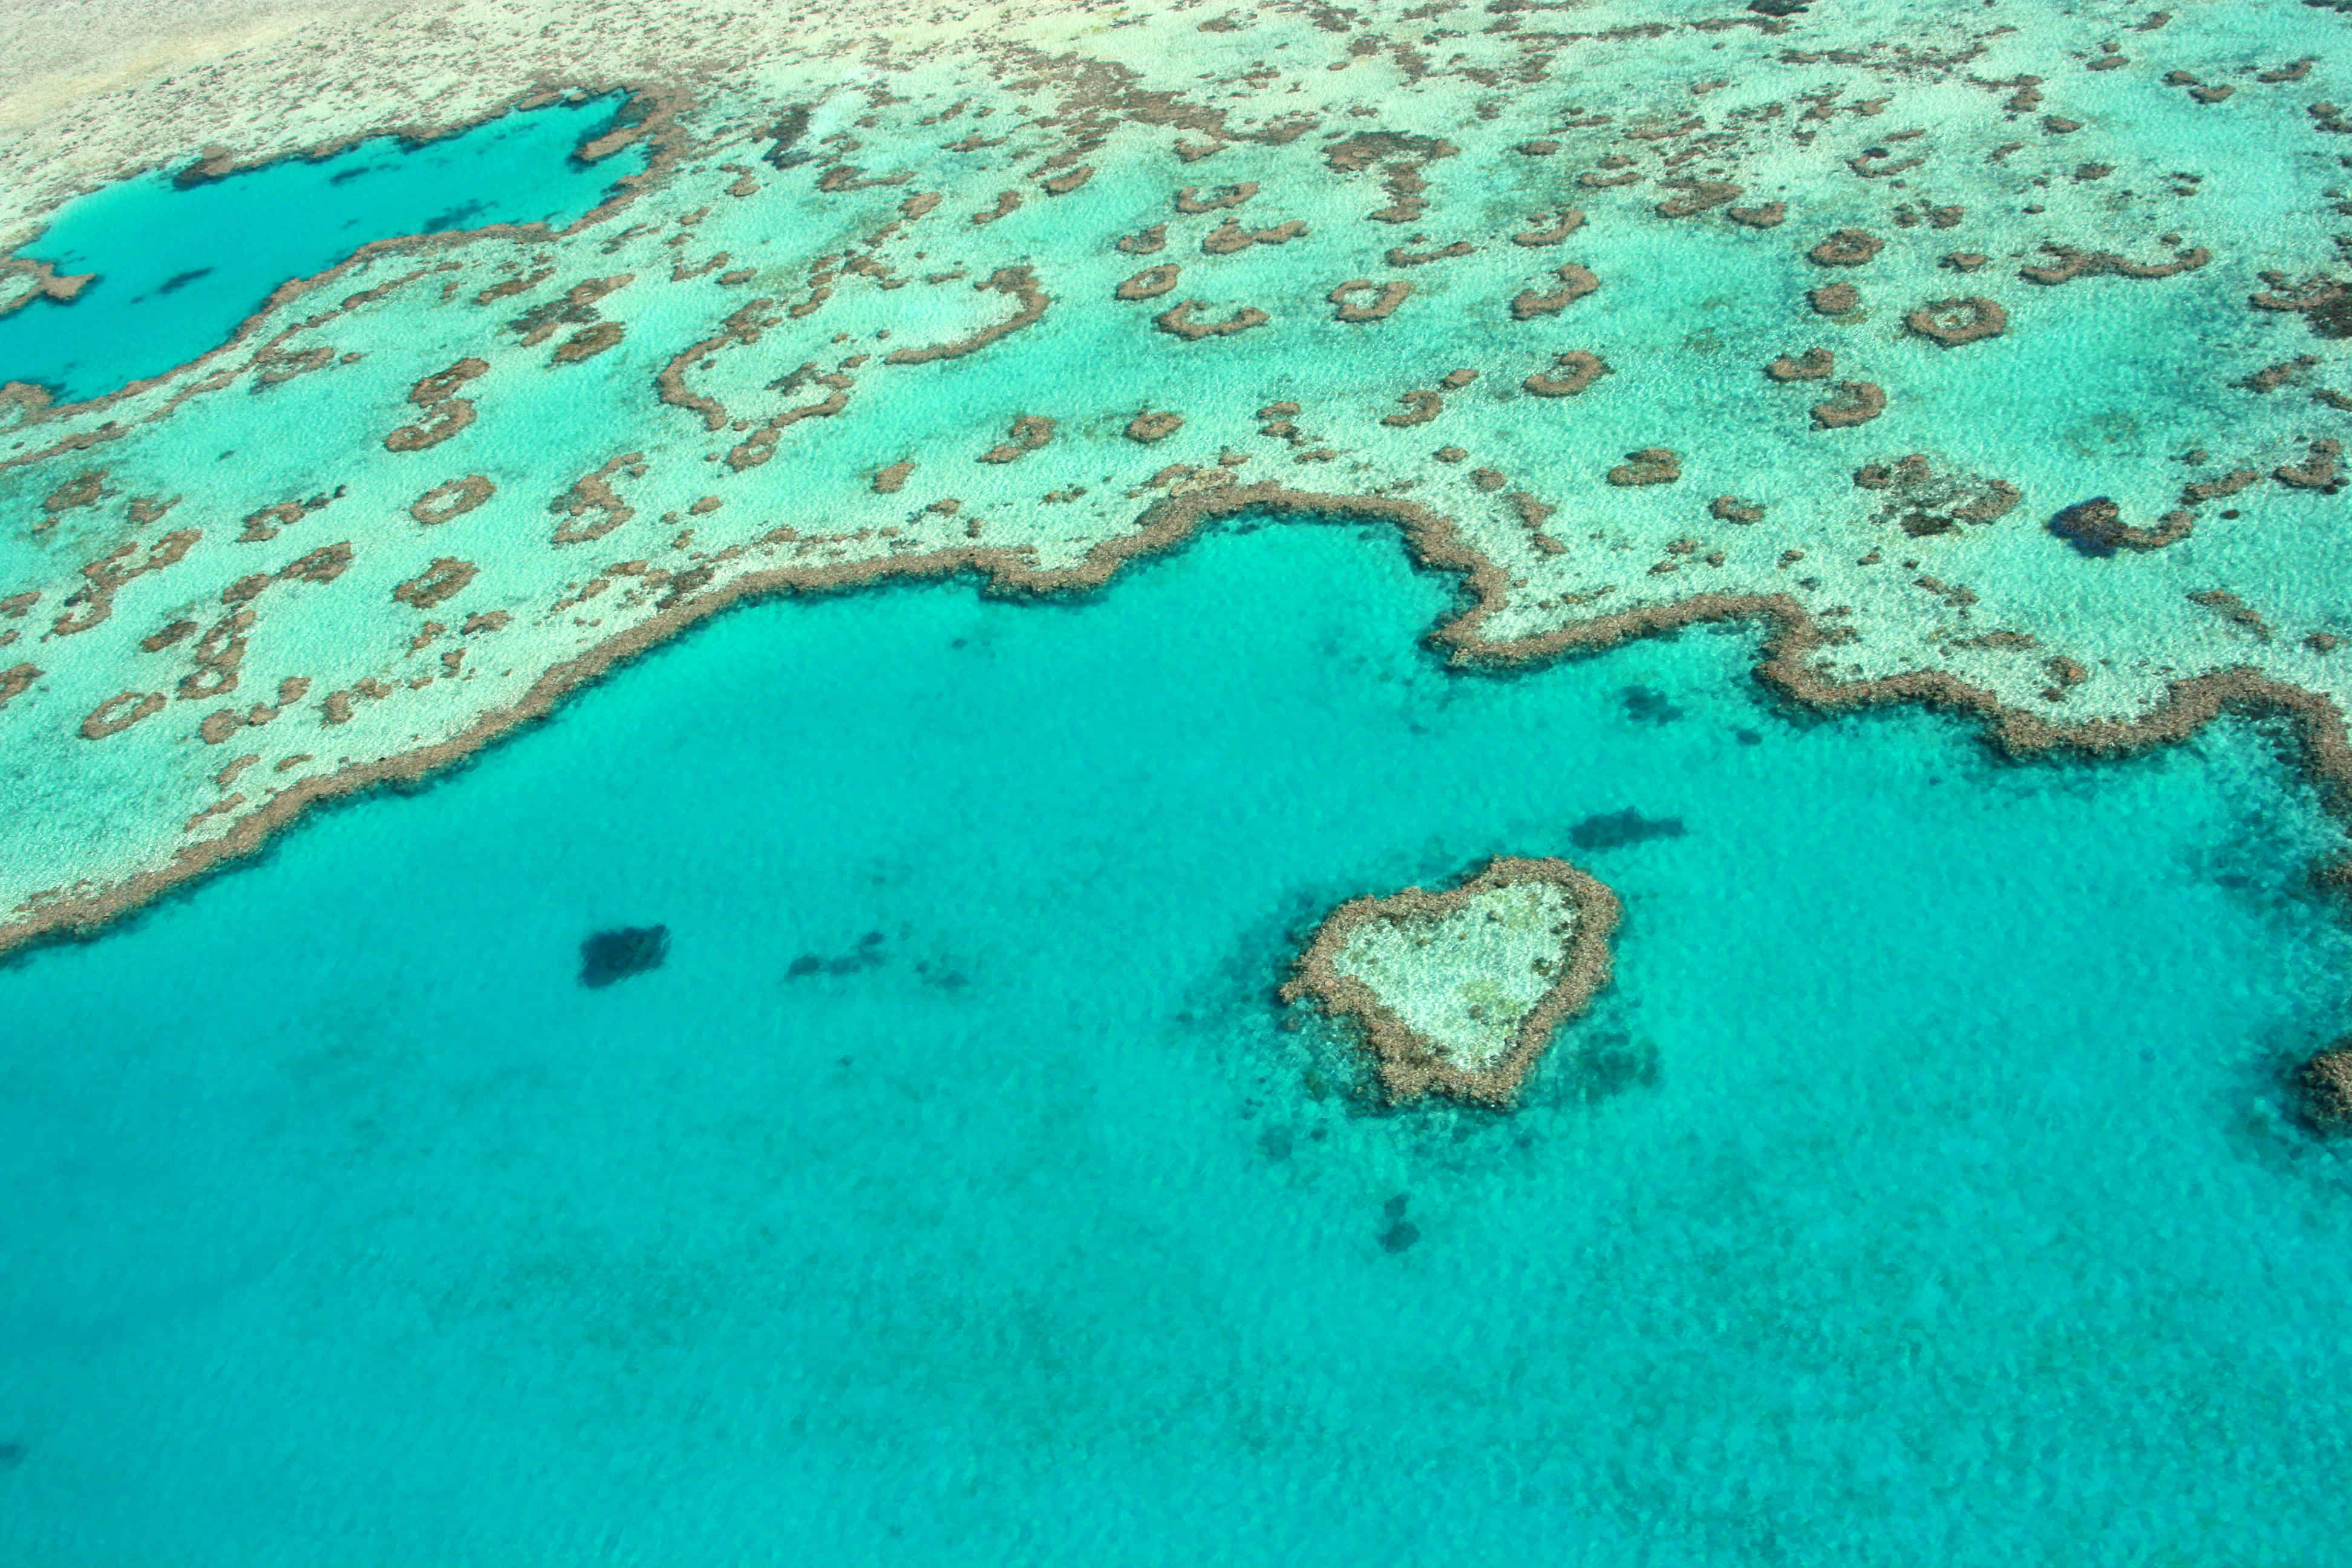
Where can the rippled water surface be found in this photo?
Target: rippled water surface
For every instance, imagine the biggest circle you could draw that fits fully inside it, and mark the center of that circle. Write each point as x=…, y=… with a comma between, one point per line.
x=955, y=1192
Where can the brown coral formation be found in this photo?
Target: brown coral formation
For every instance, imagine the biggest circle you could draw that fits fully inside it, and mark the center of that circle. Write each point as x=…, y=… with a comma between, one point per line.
x=1191, y=201
x=2234, y=610
x=1575, y=283
x=119, y=712
x=594, y=493
x=1650, y=465
x=1178, y=320
x=1149, y=427
x=2098, y=525
x=1387, y=297
x=2270, y=377
x=1229, y=237
x=742, y=326
x=1421, y=407
x=1401, y=156
x=1923, y=502
x=1398, y=256
x=1845, y=247
x=1731, y=509
x=442, y=384
x=1857, y=403
x=1813, y=364
x=448, y=418
x=588, y=342
x=1834, y=298
x=1563, y=224
x=2324, y=1085
x=1771, y=214
x=1150, y=283
x=2070, y=263
x=1007, y=203
x=575, y=308
x=444, y=579
x=323, y=565
x=46, y=283
x=1572, y=372
x=761, y=444
x=263, y=524
x=85, y=489
x=2320, y=299
x=1409, y=1066
x=1958, y=321
x=890, y=480
x=2321, y=469
x=850, y=177
x=451, y=498
x=93, y=601
x=1021, y=283
x=2200, y=492
x=1696, y=196
x=219, y=655
x=1029, y=433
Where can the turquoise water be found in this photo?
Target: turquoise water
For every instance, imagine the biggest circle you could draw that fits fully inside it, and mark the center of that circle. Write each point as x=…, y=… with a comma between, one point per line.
x=180, y=269
x=1919, y=1195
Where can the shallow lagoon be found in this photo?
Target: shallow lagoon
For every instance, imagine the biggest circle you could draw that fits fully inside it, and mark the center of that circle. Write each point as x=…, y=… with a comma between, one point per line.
x=1919, y=1195
x=179, y=268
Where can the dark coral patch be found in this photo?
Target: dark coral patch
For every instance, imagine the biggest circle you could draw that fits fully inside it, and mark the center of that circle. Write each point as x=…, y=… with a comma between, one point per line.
x=610, y=955
x=2095, y=527
x=2325, y=1085
x=1616, y=829
x=866, y=954
x=1959, y=320
x=1845, y=247
x=1646, y=705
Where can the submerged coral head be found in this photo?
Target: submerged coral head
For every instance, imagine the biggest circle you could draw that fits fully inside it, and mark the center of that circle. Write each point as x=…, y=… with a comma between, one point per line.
x=2095, y=527
x=610, y=955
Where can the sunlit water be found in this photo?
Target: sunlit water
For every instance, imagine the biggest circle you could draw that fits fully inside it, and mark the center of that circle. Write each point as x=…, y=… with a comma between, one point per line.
x=178, y=269
x=1919, y=1195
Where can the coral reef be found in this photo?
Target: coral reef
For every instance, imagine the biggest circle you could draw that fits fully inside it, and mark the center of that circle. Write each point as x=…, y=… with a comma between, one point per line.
x=1460, y=992
x=1958, y=321
x=1578, y=370
x=1845, y=247
x=2325, y=1086
x=1857, y=403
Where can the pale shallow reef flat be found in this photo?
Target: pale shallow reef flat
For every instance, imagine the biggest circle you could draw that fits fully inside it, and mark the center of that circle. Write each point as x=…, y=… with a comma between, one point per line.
x=1491, y=963
x=860, y=314
x=1462, y=990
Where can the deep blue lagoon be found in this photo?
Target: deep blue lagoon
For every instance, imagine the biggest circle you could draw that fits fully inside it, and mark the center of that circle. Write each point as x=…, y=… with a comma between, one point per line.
x=1921, y=1192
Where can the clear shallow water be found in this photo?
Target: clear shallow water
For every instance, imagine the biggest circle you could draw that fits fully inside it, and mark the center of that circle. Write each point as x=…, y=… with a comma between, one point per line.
x=1918, y=1195
x=179, y=269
